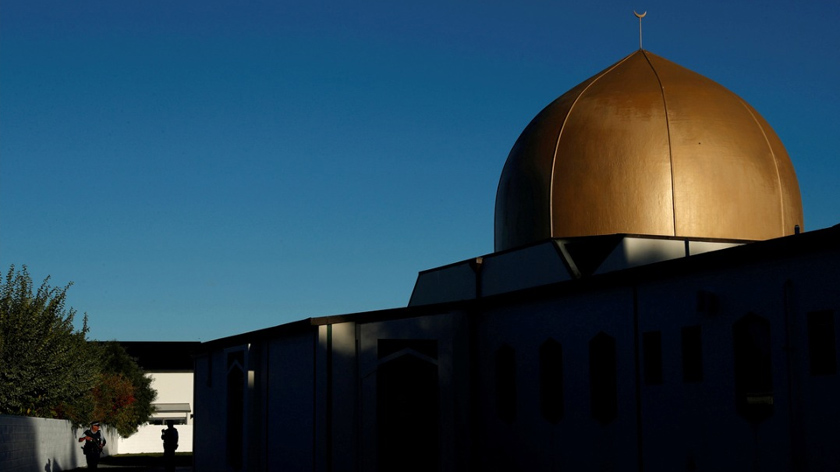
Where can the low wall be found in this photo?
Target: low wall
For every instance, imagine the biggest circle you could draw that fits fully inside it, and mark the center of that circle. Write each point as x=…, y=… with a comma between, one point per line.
x=40, y=444
x=147, y=439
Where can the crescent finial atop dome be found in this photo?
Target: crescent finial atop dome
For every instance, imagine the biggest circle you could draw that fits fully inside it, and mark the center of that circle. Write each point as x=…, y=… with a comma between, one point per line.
x=640, y=16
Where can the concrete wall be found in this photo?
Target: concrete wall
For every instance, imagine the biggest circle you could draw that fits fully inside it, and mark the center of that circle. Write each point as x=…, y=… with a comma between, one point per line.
x=147, y=439
x=289, y=403
x=578, y=441
x=210, y=403
x=171, y=387
x=695, y=422
x=315, y=402
x=36, y=444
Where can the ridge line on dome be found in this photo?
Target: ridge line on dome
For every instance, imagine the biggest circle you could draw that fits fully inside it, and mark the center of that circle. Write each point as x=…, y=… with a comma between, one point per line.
x=751, y=111
x=670, y=149
x=560, y=135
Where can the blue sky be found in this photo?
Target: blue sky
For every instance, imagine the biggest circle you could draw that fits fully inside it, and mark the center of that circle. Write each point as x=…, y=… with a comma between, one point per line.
x=200, y=169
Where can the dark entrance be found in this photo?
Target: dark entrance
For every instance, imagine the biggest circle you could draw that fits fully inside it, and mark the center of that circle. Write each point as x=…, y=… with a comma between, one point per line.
x=235, y=409
x=408, y=412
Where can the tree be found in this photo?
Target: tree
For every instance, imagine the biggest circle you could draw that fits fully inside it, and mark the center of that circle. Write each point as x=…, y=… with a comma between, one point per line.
x=50, y=370
x=123, y=395
x=44, y=361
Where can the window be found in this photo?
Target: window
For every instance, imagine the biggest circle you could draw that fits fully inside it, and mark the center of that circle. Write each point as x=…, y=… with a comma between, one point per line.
x=603, y=382
x=652, y=351
x=692, y=354
x=506, y=384
x=551, y=381
x=753, y=368
x=822, y=343
x=162, y=422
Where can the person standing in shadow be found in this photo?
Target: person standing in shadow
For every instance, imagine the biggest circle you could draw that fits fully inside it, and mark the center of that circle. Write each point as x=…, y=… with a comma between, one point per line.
x=170, y=444
x=94, y=442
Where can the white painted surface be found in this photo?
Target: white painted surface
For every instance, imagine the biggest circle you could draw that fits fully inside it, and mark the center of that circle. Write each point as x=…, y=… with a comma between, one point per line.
x=148, y=439
x=34, y=444
x=171, y=387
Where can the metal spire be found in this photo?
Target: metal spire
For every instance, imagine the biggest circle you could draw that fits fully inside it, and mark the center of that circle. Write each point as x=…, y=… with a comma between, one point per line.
x=640, y=16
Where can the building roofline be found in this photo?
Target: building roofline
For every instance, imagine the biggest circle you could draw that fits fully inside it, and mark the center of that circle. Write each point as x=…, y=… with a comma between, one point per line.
x=755, y=252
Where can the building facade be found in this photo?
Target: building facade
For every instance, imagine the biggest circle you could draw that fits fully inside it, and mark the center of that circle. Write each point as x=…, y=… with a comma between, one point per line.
x=652, y=305
x=169, y=365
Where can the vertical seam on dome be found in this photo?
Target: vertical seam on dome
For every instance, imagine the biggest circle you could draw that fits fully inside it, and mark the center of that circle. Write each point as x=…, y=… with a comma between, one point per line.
x=670, y=150
x=560, y=135
x=775, y=164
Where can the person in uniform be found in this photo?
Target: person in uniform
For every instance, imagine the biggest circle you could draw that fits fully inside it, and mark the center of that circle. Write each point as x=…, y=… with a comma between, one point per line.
x=94, y=442
x=170, y=444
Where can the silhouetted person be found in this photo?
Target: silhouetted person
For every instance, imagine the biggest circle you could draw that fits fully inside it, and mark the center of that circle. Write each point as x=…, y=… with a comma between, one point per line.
x=94, y=442
x=170, y=443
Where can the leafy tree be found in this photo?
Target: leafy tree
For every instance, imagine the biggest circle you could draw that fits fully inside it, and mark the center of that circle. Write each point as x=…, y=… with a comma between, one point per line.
x=49, y=369
x=123, y=396
x=44, y=360
x=113, y=399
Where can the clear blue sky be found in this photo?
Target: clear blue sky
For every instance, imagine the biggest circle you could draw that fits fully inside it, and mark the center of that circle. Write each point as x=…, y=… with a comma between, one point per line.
x=200, y=169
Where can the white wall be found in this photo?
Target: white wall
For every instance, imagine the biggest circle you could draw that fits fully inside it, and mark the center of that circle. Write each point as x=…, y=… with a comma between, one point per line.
x=171, y=387
x=147, y=439
x=35, y=444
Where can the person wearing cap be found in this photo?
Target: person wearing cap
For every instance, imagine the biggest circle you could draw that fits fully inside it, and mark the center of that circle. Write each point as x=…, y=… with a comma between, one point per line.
x=94, y=442
x=170, y=443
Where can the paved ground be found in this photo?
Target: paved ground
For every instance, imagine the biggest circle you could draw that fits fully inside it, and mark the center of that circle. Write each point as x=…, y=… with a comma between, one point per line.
x=138, y=463
x=135, y=468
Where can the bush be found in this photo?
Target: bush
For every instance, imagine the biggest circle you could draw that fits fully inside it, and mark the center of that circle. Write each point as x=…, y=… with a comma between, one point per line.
x=49, y=369
x=44, y=361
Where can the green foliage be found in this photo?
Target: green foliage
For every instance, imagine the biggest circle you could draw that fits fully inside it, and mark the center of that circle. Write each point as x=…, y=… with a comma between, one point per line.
x=114, y=398
x=44, y=360
x=49, y=369
x=123, y=396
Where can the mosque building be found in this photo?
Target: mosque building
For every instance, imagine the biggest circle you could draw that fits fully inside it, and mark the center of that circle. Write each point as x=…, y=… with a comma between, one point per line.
x=652, y=303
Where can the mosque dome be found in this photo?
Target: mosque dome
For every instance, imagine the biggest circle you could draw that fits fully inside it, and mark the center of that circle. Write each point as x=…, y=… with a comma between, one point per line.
x=647, y=147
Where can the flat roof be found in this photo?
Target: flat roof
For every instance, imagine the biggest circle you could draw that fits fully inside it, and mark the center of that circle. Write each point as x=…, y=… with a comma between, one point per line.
x=162, y=356
x=811, y=242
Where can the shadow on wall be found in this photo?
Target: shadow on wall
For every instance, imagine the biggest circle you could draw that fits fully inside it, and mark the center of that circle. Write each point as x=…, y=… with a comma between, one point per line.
x=39, y=444
x=19, y=445
x=74, y=448
x=60, y=457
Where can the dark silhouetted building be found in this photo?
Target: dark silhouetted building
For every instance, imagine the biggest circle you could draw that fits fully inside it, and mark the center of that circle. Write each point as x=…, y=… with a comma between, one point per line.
x=652, y=303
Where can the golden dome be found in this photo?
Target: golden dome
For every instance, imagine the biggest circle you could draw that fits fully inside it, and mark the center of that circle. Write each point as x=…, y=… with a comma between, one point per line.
x=647, y=147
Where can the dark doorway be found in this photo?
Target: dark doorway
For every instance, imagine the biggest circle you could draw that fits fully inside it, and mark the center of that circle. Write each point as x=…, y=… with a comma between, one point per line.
x=408, y=414
x=235, y=409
